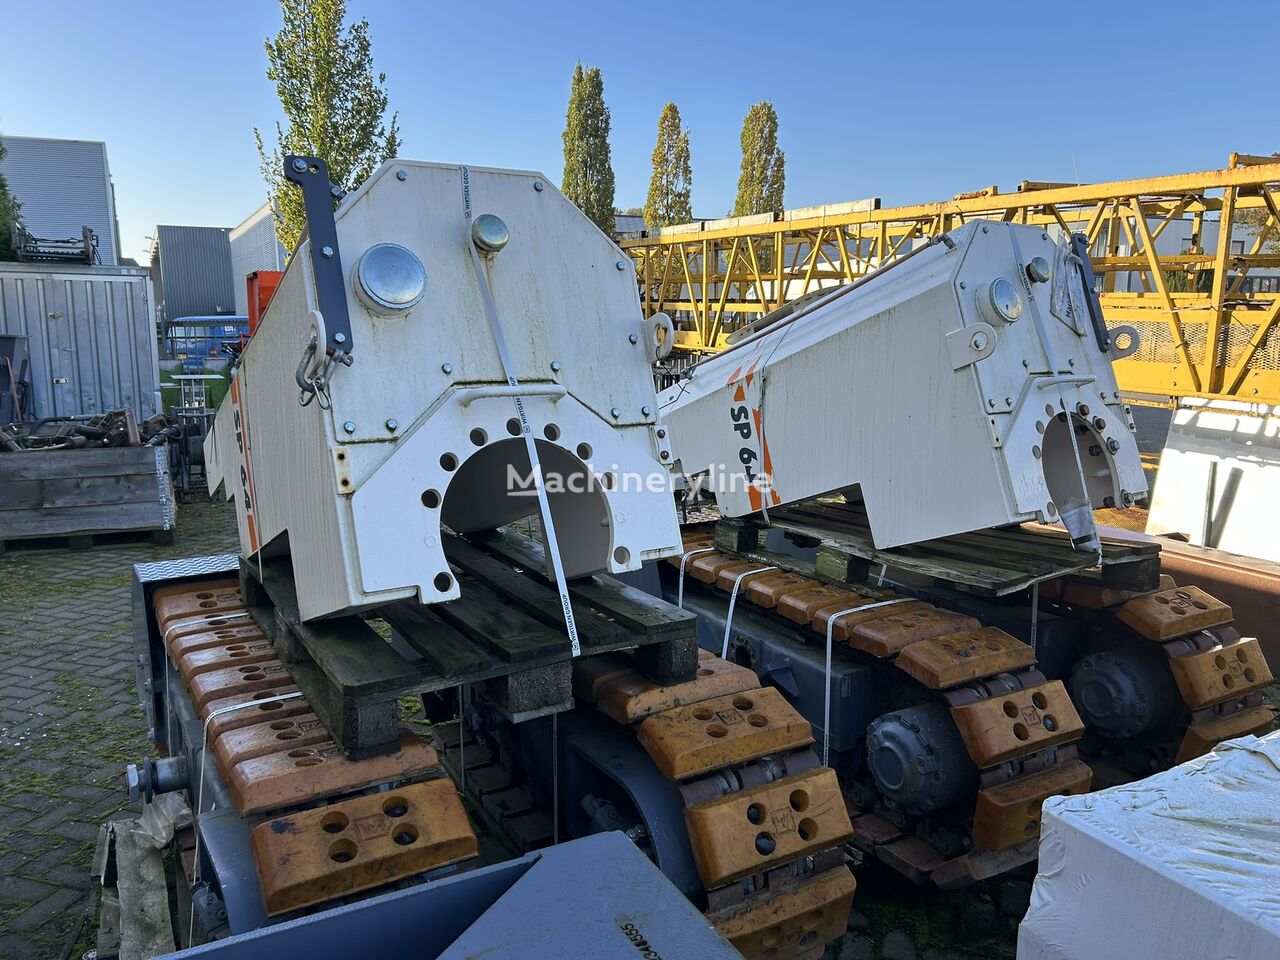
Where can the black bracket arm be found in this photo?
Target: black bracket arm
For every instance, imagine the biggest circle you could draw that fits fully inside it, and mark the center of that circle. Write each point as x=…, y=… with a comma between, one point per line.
x=1080, y=247
x=312, y=175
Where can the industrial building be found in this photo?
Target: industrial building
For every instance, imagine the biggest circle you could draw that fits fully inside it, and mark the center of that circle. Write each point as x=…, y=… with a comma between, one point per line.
x=63, y=186
x=191, y=271
x=254, y=247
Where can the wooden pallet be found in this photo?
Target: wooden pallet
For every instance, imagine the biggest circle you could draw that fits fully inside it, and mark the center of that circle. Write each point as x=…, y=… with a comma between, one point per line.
x=986, y=562
x=505, y=631
x=74, y=496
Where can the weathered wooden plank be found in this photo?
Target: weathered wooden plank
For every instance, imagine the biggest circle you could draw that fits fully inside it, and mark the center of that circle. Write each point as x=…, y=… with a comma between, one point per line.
x=496, y=624
x=67, y=464
x=79, y=491
x=449, y=655
x=95, y=518
x=651, y=617
x=354, y=659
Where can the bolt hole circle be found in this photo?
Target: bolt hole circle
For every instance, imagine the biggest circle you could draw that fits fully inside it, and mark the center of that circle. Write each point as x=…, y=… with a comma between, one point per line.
x=799, y=800
x=431, y=499
x=808, y=829
x=404, y=834
x=743, y=703
x=1039, y=701
x=395, y=807
x=334, y=822
x=755, y=814
x=758, y=720
x=1010, y=708
x=442, y=582
x=765, y=844
x=621, y=556
x=513, y=427
x=717, y=731
x=551, y=431
x=1021, y=732
x=342, y=851
x=584, y=451
x=449, y=461
x=703, y=714
x=479, y=437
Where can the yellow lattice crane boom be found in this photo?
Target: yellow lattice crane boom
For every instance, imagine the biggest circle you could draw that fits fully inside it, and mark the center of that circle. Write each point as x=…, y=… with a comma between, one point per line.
x=1184, y=259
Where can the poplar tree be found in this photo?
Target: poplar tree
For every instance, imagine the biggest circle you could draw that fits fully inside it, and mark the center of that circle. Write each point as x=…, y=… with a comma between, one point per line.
x=333, y=103
x=764, y=177
x=671, y=184
x=588, y=172
x=9, y=215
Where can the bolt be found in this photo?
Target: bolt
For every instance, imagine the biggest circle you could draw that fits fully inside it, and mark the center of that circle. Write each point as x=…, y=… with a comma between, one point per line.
x=1071, y=362
x=326, y=252
x=555, y=366
x=665, y=455
x=339, y=338
x=1082, y=409
x=133, y=780
x=349, y=426
x=991, y=403
x=633, y=339
x=393, y=425
x=979, y=342
x=1008, y=401
x=615, y=413
x=1099, y=423
x=401, y=175
x=986, y=229
x=646, y=410
x=1126, y=498
x=963, y=285
x=1108, y=502
x=446, y=368
x=336, y=192
x=538, y=186
x=1095, y=450
x=299, y=164
x=1026, y=363
x=621, y=264
x=662, y=434
x=1113, y=445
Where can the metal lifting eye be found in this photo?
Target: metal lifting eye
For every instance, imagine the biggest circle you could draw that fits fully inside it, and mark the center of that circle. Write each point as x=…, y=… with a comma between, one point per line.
x=1004, y=299
x=390, y=278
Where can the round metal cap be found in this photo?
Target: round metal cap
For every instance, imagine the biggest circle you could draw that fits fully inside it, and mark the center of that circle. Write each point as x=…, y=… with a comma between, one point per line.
x=391, y=277
x=489, y=233
x=1004, y=299
x=1038, y=270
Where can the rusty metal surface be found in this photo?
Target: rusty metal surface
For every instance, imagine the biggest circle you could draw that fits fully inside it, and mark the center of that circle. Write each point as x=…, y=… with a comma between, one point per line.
x=1166, y=614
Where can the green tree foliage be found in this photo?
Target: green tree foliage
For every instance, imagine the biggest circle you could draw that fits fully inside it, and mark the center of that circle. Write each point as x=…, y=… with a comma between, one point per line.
x=671, y=184
x=588, y=172
x=333, y=103
x=9, y=212
x=764, y=175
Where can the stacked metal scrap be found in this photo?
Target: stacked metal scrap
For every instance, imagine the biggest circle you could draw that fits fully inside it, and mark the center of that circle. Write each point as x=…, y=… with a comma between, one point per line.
x=116, y=428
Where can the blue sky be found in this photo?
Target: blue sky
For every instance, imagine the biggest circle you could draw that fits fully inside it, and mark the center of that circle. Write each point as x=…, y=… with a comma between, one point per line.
x=905, y=101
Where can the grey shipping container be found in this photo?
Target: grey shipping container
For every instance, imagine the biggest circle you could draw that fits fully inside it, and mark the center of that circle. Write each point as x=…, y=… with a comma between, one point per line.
x=91, y=333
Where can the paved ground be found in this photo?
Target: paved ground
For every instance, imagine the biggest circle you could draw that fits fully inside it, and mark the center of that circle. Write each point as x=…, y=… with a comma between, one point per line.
x=69, y=723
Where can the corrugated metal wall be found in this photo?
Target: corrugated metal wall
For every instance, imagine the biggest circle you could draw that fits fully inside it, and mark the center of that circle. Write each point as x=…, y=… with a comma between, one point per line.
x=63, y=185
x=91, y=334
x=192, y=271
x=254, y=247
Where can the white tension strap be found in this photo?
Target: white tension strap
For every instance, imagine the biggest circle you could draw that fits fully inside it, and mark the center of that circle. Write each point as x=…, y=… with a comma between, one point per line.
x=826, y=699
x=733, y=599
x=554, y=562
x=683, y=562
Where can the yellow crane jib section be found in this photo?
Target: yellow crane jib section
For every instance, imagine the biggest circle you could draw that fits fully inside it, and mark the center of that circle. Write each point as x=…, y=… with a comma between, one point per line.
x=1190, y=261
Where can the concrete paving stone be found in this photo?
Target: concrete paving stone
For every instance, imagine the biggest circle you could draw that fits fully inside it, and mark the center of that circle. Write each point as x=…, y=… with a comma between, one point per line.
x=68, y=711
x=24, y=889
x=857, y=948
x=897, y=945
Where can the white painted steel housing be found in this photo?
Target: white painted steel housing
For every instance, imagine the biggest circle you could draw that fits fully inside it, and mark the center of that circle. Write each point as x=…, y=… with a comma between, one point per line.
x=422, y=428
x=948, y=414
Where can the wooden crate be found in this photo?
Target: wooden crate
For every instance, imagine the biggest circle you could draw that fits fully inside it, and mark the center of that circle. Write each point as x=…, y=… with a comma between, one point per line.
x=83, y=493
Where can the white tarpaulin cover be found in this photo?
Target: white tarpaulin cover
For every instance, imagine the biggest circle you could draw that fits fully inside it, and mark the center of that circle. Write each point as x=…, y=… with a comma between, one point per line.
x=1184, y=865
